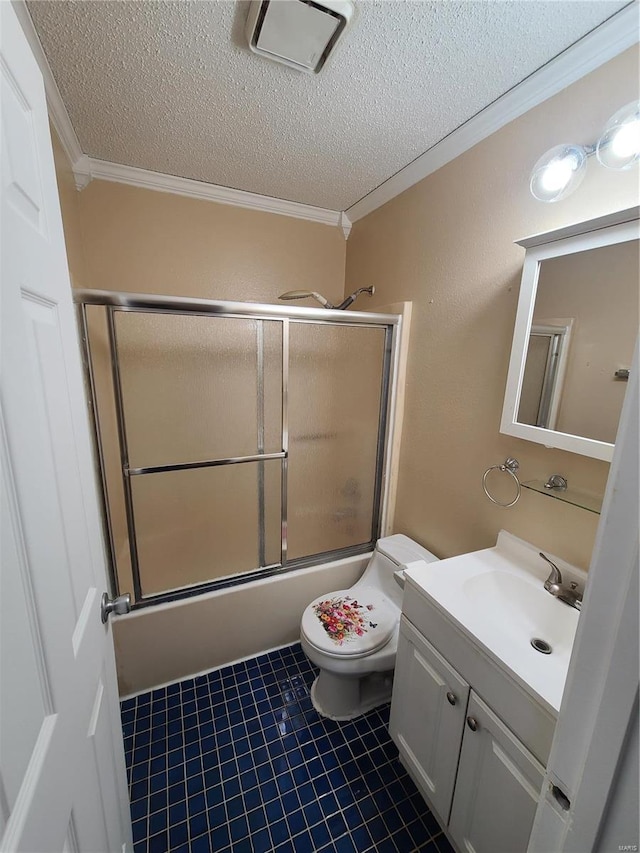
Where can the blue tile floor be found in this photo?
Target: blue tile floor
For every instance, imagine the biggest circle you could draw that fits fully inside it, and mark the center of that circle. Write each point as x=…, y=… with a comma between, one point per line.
x=238, y=761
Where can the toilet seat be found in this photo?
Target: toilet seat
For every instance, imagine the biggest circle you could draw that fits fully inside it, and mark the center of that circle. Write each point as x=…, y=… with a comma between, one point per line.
x=349, y=622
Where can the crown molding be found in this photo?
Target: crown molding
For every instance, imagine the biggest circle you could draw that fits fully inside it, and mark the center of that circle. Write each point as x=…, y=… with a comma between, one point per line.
x=57, y=111
x=104, y=171
x=345, y=224
x=86, y=168
x=82, y=172
x=590, y=52
x=593, y=50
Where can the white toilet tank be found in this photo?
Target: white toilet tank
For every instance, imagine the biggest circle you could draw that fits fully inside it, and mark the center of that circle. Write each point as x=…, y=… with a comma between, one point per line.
x=390, y=558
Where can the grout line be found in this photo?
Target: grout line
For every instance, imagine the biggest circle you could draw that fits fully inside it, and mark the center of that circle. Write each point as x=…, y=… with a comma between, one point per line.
x=277, y=676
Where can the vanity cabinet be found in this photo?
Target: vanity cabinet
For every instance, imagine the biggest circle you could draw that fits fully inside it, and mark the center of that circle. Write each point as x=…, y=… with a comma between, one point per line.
x=497, y=787
x=480, y=780
x=427, y=723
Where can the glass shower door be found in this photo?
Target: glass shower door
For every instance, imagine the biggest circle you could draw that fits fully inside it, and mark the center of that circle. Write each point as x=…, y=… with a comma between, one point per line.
x=335, y=402
x=233, y=445
x=195, y=423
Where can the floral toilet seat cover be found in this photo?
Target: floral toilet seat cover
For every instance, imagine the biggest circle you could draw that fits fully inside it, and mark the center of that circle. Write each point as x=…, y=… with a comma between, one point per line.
x=350, y=621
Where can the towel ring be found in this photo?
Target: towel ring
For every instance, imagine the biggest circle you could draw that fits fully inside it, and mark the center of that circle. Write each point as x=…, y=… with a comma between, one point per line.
x=509, y=466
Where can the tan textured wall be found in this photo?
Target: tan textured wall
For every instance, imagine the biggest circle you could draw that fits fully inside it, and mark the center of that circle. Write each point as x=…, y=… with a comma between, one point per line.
x=447, y=244
x=599, y=290
x=69, y=204
x=145, y=241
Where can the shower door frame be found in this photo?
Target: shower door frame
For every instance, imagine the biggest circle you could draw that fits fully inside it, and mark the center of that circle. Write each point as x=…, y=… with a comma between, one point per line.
x=113, y=302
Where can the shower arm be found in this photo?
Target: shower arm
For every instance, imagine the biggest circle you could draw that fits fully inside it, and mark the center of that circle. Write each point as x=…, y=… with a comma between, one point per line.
x=351, y=299
x=303, y=294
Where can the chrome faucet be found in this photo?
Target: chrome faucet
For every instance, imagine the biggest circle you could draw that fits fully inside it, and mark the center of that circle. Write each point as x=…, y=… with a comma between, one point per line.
x=553, y=584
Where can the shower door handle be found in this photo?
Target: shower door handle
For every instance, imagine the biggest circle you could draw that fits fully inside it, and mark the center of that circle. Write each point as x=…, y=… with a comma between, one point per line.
x=119, y=605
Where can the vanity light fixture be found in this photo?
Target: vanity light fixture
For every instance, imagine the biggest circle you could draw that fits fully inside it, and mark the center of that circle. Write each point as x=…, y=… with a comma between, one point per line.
x=559, y=172
x=619, y=145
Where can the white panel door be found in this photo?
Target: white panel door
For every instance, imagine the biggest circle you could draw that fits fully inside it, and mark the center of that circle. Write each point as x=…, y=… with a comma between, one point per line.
x=427, y=716
x=497, y=788
x=62, y=773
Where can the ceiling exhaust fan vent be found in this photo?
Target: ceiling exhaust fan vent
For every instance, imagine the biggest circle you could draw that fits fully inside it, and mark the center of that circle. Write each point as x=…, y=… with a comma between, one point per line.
x=298, y=33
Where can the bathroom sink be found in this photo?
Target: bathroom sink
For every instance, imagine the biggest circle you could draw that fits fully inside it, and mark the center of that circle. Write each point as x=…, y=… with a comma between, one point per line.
x=514, y=606
x=496, y=596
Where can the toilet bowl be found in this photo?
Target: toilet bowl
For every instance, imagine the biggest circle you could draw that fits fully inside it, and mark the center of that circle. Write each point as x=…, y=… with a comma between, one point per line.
x=351, y=635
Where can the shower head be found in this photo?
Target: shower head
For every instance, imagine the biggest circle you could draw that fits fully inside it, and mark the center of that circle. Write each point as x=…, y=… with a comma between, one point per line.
x=303, y=294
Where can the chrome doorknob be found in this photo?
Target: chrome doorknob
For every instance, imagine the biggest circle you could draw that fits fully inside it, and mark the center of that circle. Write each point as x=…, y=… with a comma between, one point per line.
x=119, y=605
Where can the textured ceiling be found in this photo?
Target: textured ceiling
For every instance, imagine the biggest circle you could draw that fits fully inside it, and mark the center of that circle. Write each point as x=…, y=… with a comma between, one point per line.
x=171, y=86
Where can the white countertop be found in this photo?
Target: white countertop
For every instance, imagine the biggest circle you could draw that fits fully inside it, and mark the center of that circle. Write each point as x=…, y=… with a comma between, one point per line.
x=496, y=596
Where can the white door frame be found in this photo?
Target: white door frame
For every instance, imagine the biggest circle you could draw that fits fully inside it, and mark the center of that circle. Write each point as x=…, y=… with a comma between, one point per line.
x=63, y=782
x=599, y=706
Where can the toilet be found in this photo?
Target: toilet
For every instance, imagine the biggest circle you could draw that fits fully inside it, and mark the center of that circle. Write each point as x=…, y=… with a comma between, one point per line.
x=352, y=634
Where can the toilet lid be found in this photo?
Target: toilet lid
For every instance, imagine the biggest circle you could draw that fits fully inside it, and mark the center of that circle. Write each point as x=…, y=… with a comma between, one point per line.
x=349, y=622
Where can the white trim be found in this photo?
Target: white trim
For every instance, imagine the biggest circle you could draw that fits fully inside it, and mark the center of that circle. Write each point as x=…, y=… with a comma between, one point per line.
x=133, y=176
x=562, y=326
x=509, y=424
x=598, y=706
x=345, y=224
x=618, y=217
x=590, y=52
x=82, y=172
x=57, y=111
x=602, y=44
x=86, y=168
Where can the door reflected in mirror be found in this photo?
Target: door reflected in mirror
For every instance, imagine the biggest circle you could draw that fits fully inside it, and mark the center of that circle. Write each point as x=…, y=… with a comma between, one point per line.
x=543, y=374
x=583, y=331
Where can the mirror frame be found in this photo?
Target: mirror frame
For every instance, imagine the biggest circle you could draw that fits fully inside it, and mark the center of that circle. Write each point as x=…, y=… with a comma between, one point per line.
x=618, y=227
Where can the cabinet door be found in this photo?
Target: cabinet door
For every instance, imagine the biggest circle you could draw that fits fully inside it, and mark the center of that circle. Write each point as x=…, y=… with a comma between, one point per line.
x=497, y=788
x=427, y=716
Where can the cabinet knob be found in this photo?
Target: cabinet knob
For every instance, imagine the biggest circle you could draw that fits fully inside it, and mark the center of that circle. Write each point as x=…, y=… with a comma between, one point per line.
x=451, y=698
x=472, y=723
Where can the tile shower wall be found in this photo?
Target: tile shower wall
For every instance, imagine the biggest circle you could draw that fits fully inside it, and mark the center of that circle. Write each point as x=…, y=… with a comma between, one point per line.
x=238, y=760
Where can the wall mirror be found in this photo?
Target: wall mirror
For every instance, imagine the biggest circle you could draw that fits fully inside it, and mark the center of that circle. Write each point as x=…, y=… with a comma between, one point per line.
x=575, y=332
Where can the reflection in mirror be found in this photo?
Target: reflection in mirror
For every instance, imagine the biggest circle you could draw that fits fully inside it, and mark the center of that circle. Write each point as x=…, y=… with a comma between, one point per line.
x=583, y=330
x=574, y=335
x=544, y=375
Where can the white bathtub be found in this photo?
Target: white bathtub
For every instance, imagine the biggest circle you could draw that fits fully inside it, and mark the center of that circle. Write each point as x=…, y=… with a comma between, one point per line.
x=166, y=642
